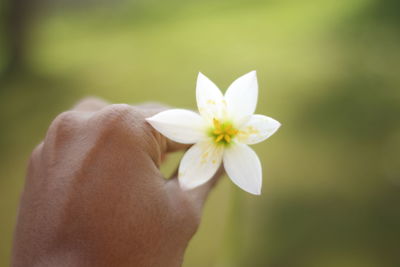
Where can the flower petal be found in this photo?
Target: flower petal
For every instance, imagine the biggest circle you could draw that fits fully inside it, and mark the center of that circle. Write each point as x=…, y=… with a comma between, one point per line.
x=180, y=125
x=257, y=129
x=210, y=100
x=243, y=167
x=241, y=96
x=199, y=164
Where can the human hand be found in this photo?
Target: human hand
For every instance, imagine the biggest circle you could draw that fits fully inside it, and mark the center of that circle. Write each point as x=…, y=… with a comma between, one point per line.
x=94, y=194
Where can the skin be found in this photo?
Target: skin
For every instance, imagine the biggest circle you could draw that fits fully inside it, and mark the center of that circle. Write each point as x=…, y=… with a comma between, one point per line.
x=94, y=194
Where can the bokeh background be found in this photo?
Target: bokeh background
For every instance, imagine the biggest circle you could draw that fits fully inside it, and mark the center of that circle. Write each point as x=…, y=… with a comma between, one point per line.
x=328, y=70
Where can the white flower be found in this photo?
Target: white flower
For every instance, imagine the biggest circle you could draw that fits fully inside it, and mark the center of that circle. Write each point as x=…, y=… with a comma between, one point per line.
x=221, y=132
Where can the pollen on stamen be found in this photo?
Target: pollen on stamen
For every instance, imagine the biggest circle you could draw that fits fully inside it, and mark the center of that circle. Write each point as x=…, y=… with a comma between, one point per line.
x=217, y=131
x=232, y=132
x=227, y=138
x=219, y=138
x=223, y=133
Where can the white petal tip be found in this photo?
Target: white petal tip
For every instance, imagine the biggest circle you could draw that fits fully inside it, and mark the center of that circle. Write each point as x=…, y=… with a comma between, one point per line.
x=151, y=121
x=255, y=191
x=244, y=168
x=278, y=125
x=252, y=74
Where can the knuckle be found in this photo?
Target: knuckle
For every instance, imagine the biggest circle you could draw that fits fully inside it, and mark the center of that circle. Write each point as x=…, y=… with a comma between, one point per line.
x=115, y=114
x=193, y=216
x=62, y=128
x=190, y=216
x=64, y=121
x=35, y=155
x=118, y=109
x=125, y=125
x=120, y=118
x=190, y=223
x=37, y=151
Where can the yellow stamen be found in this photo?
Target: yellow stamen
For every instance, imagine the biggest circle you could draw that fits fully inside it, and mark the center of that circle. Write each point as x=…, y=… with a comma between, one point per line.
x=217, y=124
x=223, y=133
x=227, y=138
x=219, y=138
x=217, y=131
x=232, y=131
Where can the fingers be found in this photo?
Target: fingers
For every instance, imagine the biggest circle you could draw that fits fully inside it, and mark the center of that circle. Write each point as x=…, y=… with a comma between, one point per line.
x=197, y=195
x=93, y=104
x=151, y=108
x=200, y=194
x=146, y=110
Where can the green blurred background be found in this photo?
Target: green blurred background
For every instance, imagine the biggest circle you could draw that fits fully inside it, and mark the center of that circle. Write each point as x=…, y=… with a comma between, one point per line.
x=328, y=70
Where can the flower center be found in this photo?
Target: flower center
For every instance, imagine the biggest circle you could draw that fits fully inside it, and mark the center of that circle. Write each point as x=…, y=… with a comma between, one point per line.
x=223, y=133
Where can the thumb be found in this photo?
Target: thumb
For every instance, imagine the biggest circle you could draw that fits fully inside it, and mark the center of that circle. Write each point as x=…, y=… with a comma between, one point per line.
x=152, y=108
x=197, y=195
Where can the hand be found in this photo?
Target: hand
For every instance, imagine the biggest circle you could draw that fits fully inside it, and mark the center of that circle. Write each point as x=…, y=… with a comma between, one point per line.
x=94, y=194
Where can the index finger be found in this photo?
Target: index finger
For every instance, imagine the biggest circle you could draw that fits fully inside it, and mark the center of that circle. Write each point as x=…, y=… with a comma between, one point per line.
x=94, y=104
x=151, y=108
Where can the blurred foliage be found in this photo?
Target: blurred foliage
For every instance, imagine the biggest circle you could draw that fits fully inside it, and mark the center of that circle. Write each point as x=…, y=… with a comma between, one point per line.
x=328, y=70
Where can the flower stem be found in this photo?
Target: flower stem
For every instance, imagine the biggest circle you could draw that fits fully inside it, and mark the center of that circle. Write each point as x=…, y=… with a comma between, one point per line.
x=232, y=243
